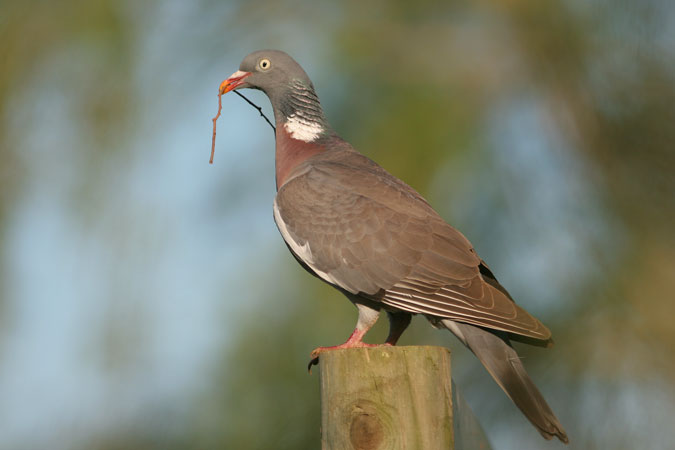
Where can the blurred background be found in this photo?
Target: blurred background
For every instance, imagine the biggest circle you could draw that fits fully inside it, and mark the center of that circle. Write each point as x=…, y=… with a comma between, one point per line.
x=147, y=300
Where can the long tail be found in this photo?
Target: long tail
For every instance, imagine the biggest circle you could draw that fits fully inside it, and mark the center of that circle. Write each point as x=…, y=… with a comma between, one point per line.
x=503, y=363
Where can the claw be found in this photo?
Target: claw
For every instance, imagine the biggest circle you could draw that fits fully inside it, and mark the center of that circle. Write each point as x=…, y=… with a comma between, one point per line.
x=315, y=357
x=313, y=362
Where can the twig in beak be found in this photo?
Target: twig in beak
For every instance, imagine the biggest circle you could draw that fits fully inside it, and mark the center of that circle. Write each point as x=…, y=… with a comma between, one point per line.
x=213, y=141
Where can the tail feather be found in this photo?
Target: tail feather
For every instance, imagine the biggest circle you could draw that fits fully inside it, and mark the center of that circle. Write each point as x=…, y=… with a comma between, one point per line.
x=503, y=363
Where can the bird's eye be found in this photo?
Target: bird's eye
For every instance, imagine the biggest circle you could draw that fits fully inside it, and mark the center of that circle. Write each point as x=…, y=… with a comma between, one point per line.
x=265, y=64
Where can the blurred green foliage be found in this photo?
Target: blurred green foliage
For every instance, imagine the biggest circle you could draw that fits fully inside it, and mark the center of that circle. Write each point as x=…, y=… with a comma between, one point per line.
x=419, y=83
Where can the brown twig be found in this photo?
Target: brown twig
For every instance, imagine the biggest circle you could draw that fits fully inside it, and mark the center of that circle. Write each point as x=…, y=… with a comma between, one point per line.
x=213, y=141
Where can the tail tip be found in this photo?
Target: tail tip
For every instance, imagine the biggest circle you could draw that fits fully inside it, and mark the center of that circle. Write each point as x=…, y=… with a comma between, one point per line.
x=556, y=431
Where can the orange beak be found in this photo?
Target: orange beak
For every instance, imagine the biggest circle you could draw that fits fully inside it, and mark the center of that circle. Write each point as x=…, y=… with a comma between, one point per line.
x=235, y=80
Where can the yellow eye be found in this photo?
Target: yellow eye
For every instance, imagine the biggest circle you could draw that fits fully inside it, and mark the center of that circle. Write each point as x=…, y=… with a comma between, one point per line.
x=265, y=64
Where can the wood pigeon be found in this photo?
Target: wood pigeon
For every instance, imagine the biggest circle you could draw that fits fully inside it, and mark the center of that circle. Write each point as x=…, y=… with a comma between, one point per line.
x=349, y=222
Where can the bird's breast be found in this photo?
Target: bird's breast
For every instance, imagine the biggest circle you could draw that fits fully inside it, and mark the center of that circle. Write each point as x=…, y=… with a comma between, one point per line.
x=290, y=153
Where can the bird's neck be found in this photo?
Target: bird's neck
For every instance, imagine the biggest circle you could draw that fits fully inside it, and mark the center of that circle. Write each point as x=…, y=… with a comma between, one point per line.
x=302, y=129
x=298, y=111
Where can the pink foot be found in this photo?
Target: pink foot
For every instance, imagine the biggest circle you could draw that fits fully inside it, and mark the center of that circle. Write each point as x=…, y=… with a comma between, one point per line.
x=354, y=341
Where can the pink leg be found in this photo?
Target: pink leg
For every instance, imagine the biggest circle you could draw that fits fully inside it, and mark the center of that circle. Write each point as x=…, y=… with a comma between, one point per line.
x=367, y=318
x=355, y=340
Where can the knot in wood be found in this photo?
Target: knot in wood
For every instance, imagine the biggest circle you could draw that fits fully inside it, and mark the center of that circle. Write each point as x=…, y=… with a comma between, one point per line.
x=366, y=432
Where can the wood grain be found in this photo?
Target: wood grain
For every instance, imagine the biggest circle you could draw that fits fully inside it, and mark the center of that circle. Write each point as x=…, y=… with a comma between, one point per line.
x=386, y=398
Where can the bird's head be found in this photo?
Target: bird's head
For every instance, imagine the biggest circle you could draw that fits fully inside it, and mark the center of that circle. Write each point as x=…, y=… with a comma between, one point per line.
x=267, y=70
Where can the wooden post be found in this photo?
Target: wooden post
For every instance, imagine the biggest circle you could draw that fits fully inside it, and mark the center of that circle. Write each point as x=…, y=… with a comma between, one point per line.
x=386, y=398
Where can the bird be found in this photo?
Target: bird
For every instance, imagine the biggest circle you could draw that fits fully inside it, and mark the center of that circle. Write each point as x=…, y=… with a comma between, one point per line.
x=371, y=236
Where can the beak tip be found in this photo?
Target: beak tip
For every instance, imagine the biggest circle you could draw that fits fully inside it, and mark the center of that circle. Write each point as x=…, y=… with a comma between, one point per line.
x=233, y=82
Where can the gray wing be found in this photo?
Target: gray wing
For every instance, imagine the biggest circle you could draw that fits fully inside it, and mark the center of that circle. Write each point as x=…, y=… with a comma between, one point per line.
x=361, y=229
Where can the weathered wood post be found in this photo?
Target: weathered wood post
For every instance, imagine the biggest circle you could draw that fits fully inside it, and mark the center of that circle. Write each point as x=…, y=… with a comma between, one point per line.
x=385, y=398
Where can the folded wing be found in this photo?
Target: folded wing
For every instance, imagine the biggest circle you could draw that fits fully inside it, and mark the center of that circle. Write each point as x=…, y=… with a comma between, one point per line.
x=359, y=228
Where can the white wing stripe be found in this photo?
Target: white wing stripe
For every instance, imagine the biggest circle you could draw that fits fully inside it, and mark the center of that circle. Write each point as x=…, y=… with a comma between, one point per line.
x=302, y=251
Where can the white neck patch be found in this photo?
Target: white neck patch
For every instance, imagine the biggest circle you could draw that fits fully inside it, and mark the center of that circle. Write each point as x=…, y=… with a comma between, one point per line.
x=302, y=129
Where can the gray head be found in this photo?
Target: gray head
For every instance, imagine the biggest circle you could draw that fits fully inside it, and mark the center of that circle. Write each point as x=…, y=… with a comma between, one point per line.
x=288, y=87
x=271, y=71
